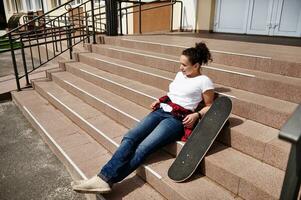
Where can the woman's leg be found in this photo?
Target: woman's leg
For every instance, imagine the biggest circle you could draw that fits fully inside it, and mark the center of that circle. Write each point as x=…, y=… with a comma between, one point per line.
x=128, y=145
x=167, y=131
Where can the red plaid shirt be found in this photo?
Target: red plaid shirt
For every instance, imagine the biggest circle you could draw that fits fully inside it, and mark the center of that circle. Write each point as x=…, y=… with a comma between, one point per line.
x=180, y=113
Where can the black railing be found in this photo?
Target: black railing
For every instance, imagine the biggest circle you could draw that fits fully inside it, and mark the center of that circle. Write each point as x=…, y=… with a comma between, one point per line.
x=43, y=38
x=291, y=132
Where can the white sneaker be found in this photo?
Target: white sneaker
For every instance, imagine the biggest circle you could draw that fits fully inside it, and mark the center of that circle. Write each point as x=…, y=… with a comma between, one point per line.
x=92, y=185
x=77, y=182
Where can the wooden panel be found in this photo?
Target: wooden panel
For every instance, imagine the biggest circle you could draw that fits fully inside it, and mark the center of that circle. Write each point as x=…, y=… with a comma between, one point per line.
x=153, y=20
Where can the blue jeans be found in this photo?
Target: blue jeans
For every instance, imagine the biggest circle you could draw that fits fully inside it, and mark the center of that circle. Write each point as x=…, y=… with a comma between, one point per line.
x=156, y=130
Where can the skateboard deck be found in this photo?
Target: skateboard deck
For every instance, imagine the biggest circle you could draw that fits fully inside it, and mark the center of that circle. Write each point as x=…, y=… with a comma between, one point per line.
x=201, y=139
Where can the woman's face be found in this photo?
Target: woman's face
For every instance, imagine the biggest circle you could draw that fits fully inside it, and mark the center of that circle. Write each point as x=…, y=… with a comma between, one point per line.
x=187, y=68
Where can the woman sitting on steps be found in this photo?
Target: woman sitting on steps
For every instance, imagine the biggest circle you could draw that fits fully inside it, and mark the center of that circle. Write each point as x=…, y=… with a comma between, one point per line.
x=172, y=118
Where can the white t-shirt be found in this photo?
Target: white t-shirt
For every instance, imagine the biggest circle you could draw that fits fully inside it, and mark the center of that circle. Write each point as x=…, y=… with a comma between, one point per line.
x=187, y=92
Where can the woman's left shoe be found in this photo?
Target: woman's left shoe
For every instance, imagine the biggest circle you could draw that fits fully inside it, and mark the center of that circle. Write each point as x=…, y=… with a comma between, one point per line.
x=93, y=185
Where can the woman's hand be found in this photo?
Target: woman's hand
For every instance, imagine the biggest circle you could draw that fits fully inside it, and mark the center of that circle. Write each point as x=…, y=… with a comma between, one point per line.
x=190, y=120
x=154, y=104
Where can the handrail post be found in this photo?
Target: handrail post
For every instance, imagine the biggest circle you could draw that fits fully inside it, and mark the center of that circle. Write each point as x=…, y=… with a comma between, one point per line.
x=24, y=61
x=120, y=18
x=171, y=18
x=87, y=28
x=181, y=19
x=127, y=23
x=111, y=18
x=69, y=40
x=140, y=25
x=291, y=132
x=55, y=39
x=93, y=22
x=291, y=183
x=14, y=61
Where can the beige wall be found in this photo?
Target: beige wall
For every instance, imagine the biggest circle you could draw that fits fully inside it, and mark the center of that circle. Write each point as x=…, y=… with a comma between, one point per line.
x=205, y=15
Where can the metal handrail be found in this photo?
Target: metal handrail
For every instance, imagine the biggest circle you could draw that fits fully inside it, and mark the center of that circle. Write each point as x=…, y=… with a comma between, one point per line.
x=51, y=31
x=28, y=23
x=291, y=132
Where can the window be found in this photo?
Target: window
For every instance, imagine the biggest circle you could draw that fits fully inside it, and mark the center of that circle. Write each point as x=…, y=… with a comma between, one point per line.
x=55, y=3
x=38, y=4
x=8, y=5
x=99, y=1
x=34, y=6
x=13, y=6
x=29, y=5
x=76, y=2
x=19, y=5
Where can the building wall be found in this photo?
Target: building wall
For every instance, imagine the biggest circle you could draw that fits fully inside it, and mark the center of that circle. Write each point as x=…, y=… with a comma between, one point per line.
x=197, y=15
x=154, y=20
x=205, y=15
x=10, y=7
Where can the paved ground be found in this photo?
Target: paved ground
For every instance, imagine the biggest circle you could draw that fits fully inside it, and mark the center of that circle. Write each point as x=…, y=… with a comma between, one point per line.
x=29, y=170
x=7, y=77
x=6, y=64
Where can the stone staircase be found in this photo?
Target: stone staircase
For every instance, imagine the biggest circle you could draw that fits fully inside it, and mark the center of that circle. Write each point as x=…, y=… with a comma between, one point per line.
x=85, y=106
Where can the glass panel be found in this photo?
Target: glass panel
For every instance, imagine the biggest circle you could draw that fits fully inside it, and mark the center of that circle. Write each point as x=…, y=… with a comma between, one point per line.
x=19, y=4
x=29, y=5
x=8, y=5
x=38, y=4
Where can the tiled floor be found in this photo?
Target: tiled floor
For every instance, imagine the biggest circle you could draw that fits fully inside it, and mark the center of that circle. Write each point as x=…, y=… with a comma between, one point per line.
x=290, y=41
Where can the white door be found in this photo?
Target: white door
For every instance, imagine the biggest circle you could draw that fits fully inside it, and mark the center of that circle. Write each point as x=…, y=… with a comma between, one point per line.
x=231, y=16
x=288, y=18
x=260, y=16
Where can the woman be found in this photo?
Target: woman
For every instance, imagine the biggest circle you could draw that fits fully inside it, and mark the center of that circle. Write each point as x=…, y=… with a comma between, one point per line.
x=173, y=117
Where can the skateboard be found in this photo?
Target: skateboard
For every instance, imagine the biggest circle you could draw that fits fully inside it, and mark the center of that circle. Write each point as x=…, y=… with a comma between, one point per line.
x=201, y=139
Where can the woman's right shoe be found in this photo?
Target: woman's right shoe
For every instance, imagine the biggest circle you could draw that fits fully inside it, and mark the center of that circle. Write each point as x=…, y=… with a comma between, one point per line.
x=93, y=185
x=77, y=182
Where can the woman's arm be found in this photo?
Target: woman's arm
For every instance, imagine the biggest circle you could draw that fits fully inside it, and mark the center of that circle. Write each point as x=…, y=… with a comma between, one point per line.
x=190, y=119
x=208, y=98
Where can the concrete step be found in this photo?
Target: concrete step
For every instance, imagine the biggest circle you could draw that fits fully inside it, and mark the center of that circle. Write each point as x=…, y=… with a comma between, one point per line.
x=277, y=86
x=249, y=179
x=80, y=153
x=107, y=132
x=46, y=52
x=132, y=90
x=126, y=112
x=246, y=176
x=244, y=135
x=278, y=59
x=268, y=110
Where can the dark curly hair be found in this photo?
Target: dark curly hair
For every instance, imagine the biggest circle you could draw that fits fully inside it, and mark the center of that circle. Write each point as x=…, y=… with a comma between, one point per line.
x=198, y=54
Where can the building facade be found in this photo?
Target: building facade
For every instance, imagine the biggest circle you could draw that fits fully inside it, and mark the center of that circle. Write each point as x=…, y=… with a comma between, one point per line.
x=269, y=17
